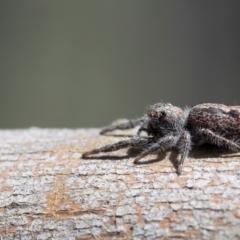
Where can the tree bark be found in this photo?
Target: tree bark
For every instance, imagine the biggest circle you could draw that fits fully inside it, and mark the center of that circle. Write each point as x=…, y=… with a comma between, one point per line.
x=47, y=191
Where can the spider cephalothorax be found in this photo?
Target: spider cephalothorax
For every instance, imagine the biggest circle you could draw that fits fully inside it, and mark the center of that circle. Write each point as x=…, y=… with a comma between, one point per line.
x=163, y=119
x=168, y=126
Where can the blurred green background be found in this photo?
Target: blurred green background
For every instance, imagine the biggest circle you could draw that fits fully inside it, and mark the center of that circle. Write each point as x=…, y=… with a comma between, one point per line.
x=85, y=63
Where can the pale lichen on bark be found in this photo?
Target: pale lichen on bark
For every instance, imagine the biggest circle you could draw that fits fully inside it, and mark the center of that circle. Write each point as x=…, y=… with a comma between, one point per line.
x=47, y=191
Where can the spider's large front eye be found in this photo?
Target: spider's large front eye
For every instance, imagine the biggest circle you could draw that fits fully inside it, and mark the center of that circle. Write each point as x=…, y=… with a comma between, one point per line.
x=163, y=114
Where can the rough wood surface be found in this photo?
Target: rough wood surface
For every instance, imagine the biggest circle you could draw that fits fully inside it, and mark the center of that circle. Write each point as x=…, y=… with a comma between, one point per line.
x=48, y=192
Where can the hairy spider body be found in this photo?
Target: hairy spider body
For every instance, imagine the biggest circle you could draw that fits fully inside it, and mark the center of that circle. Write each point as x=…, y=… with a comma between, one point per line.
x=168, y=126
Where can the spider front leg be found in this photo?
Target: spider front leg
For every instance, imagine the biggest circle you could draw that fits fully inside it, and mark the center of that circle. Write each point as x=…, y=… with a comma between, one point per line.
x=127, y=125
x=211, y=137
x=134, y=142
x=161, y=145
x=184, y=146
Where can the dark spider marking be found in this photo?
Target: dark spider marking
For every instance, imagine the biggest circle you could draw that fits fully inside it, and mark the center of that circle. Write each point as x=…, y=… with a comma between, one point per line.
x=168, y=126
x=234, y=113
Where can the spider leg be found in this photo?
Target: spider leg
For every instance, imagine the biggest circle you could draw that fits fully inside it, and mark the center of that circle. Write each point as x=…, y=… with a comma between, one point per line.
x=217, y=139
x=162, y=144
x=127, y=125
x=184, y=145
x=134, y=142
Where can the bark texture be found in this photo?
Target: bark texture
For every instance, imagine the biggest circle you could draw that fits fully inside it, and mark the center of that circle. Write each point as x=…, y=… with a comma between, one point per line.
x=47, y=191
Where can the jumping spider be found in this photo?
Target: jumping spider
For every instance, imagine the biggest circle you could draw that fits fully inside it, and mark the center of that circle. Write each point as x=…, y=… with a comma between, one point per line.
x=168, y=126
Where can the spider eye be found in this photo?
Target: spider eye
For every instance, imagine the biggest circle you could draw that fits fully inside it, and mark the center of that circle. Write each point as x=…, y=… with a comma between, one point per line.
x=163, y=113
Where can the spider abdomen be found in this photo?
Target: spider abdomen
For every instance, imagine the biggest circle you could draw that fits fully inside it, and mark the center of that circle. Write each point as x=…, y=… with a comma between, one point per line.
x=219, y=118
